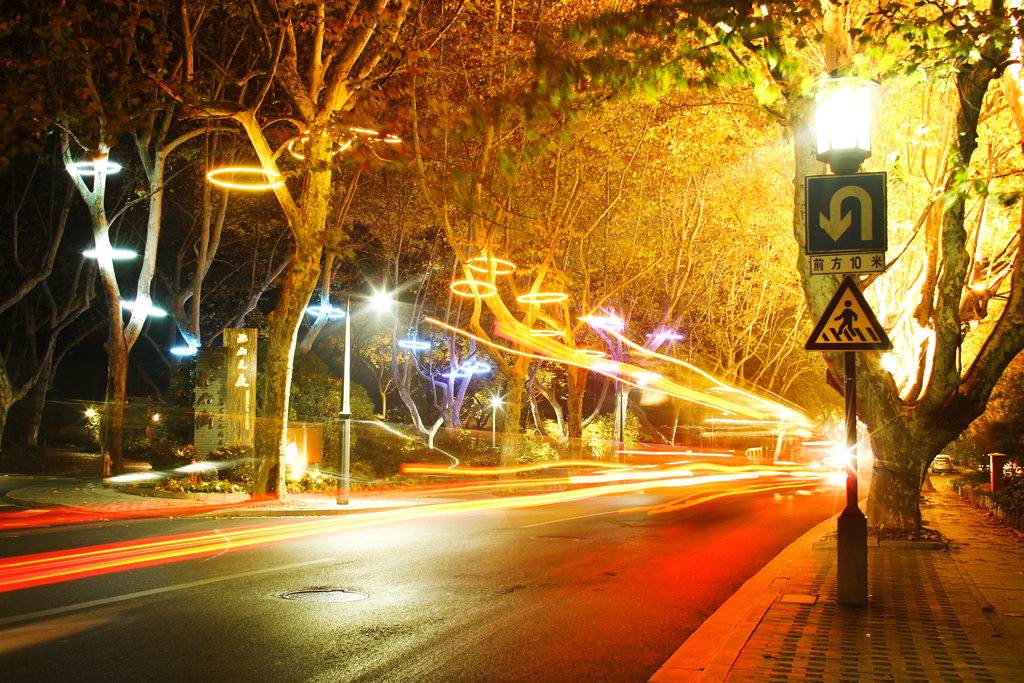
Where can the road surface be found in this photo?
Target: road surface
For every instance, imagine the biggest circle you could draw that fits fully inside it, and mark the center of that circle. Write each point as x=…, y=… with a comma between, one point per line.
x=567, y=592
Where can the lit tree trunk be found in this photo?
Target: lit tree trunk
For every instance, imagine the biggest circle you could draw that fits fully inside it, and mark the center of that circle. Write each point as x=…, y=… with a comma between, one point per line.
x=284, y=330
x=510, y=433
x=116, y=345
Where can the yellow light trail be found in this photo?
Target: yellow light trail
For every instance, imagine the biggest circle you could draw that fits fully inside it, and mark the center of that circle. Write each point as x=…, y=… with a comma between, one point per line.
x=35, y=570
x=559, y=353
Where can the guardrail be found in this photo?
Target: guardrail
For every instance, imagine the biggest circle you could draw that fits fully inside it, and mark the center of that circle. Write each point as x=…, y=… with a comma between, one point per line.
x=981, y=499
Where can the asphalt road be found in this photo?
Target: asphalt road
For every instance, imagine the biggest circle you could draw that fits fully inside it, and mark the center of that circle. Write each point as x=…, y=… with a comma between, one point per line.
x=568, y=592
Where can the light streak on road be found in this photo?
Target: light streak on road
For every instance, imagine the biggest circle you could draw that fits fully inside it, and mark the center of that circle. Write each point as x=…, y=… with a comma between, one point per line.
x=427, y=468
x=52, y=567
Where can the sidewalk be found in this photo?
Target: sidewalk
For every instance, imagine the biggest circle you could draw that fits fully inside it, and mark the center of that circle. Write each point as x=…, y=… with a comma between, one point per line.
x=932, y=615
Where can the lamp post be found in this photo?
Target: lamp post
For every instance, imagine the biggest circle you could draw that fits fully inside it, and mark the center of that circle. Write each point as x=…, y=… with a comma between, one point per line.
x=380, y=301
x=495, y=404
x=345, y=468
x=843, y=121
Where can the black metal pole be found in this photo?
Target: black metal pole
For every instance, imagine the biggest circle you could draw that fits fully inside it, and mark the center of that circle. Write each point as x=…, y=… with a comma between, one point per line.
x=852, y=527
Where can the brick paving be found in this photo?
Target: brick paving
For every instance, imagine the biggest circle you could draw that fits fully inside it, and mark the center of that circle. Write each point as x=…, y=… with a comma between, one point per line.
x=924, y=620
x=953, y=615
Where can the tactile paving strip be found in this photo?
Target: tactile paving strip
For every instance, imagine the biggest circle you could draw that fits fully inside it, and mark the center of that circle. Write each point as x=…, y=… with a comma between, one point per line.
x=918, y=626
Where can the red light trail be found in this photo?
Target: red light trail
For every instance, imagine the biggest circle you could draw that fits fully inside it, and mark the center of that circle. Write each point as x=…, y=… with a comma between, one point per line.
x=52, y=567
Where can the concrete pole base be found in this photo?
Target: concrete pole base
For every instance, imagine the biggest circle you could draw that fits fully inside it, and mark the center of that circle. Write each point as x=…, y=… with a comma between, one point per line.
x=852, y=557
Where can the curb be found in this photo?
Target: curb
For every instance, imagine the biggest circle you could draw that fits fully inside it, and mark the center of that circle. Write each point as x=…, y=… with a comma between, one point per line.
x=709, y=653
x=289, y=512
x=27, y=503
x=176, y=495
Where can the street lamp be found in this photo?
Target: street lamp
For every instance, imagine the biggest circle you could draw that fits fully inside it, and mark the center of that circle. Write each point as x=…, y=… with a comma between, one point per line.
x=843, y=122
x=379, y=301
x=495, y=404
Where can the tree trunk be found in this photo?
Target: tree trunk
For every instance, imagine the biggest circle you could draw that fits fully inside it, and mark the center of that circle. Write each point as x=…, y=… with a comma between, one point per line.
x=577, y=384
x=513, y=412
x=111, y=429
x=36, y=403
x=284, y=331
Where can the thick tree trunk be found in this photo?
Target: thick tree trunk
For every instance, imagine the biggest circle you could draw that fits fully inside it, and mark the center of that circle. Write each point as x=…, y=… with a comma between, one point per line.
x=111, y=429
x=36, y=403
x=4, y=409
x=284, y=329
x=513, y=411
x=577, y=383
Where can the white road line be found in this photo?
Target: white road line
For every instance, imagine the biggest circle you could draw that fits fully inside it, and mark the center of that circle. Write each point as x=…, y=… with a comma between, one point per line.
x=154, y=591
x=564, y=519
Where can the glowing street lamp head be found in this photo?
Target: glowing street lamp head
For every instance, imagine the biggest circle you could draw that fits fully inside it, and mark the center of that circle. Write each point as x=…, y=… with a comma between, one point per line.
x=245, y=178
x=331, y=312
x=843, y=122
x=91, y=168
x=483, y=264
x=146, y=308
x=381, y=301
x=473, y=288
x=495, y=401
x=112, y=253
x=156, y=417
x=414, y=344
x=90, y=413
x=538, y=298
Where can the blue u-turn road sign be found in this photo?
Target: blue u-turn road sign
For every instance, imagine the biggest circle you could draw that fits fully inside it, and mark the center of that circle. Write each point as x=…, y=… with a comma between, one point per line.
x=847, y=213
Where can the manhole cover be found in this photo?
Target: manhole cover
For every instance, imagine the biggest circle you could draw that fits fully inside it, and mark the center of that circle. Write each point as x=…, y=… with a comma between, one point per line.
x=326, y=595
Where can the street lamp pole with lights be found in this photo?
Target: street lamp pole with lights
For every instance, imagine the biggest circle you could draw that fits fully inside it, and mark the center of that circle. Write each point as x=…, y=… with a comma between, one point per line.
x=843, y=123
x=342, y=492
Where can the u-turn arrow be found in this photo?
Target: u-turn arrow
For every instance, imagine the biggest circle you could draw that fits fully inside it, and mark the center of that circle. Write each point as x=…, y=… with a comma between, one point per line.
x=835, y=224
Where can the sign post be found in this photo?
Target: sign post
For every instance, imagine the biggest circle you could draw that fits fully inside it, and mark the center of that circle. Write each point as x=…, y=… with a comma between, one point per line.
x=849, y=325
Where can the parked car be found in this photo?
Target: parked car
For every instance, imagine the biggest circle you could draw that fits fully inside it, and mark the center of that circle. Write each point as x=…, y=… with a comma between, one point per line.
x=942, y=463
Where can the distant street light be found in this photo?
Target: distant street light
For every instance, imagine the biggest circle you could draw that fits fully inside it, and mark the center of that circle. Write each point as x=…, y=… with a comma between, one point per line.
x=379, y=301
x=495, y=404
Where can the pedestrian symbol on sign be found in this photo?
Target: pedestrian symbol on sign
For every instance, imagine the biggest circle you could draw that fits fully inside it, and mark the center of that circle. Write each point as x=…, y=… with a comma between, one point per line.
x=848, y=324
x=848, y=317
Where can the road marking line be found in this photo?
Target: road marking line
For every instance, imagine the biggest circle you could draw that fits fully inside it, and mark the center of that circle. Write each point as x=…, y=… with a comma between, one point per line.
x=566, y=519
x=153, y=591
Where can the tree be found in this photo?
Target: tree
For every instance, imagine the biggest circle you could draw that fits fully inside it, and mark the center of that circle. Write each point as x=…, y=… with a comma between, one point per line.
x=325, y=65
x=83, y=72
x=45, y=290
x=771, y=52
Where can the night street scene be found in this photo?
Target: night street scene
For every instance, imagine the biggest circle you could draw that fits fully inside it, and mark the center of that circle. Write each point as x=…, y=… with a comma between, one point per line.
x=383, y=341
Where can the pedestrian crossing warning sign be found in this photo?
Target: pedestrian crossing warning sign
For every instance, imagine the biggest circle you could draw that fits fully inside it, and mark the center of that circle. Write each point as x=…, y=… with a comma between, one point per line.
x=848, y=324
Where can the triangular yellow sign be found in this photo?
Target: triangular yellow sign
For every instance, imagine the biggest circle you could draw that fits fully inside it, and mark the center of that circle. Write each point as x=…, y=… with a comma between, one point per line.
x=848, y=324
